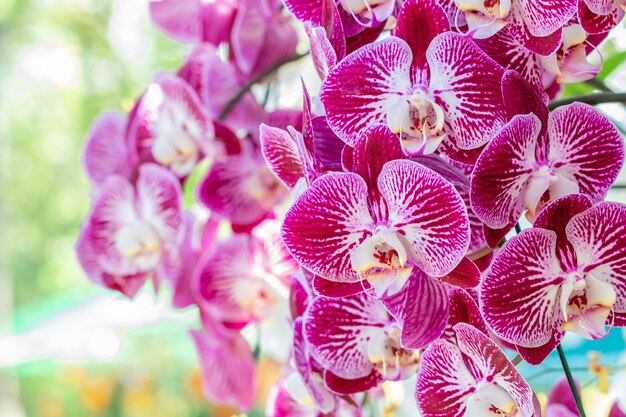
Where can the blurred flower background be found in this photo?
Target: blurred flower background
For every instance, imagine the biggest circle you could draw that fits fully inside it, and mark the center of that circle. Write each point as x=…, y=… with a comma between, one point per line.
x=68, y=348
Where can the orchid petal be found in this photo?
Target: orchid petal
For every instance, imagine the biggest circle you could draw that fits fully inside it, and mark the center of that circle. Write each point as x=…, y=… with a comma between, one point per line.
x=472, y=100
x=519, y=296
x=106, y=152
x=546, y=16
x=499, y=181
x=281, y=154
x=463, y=309
x=338, y=332
x=353, y=102
x=327, y=223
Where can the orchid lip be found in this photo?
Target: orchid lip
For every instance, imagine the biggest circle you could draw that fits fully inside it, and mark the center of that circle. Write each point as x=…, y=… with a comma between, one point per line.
x=586, y=304
x=140, y=243
x=387, y=355
x=490, y=399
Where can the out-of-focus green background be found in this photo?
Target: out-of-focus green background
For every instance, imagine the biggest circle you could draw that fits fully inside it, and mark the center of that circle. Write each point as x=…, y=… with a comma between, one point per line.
x=68, y=348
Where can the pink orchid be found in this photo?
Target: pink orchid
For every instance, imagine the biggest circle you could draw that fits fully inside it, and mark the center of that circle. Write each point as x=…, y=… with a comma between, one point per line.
x=536, y=24
x=414, y=83
x=564, y=274
x=195, y=21
x=244, y=277
x=133, y=231
x=170, y=126
x=381, y=221
x=227, y=366
x=535, y=160
x=106, y=152
x=370, y=340
x=240, y=187
x=472, y=377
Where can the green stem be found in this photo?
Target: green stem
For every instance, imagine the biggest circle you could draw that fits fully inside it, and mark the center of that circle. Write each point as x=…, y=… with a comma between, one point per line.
x=247, y=86
x=592, y=99
x=518, y=228
x=598, y=84
x=570, y=380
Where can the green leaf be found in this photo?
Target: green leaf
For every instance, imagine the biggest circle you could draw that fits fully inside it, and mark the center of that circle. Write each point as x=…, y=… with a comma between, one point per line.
x=611, y=64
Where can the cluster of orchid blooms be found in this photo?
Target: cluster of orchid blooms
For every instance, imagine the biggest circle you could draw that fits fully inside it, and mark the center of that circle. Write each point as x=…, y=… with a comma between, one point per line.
x=379, y=209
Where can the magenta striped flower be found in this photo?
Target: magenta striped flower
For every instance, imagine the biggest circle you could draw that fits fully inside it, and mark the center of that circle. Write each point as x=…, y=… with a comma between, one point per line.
x=379, y=222
x=567, y=273
x=416, y=83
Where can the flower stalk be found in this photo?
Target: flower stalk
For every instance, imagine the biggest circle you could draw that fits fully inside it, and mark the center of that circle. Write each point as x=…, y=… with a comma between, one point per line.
x=570, y=380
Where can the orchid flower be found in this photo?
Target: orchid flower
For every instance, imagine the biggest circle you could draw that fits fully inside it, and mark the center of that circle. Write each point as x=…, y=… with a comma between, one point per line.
x=355, y=15
x=472, y=377
x=133, y=231
x=379, y=222
x=600, y=16
x=536, y=24
x=239, y=186
x=244, y=277
x=415, y=83
x=463, y=309
x=195, y=21
x=107, y=152
x=535, y=160
x=170, y=126
x=226, y=365
x=357, y=342
x=564, y=274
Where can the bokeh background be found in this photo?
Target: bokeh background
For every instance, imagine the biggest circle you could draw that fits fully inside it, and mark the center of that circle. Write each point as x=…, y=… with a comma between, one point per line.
x=68, y=348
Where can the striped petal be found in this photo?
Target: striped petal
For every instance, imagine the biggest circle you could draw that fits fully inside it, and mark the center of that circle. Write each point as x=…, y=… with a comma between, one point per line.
x=585, y=148
x=428, y=212
x=500, y=178
x=543, y=17
x=281, y=155
x=594, y=23
x=107, y=152
x=519, y=296
x=338, y=332
x=463, y=309
x=419, y=21
x=367, y=87
x=421, y=309
x=326, y=223
x=520, y=28
x=472, y=100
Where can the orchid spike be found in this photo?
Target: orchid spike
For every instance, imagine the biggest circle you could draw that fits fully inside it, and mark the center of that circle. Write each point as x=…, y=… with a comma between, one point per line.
x=564, y=274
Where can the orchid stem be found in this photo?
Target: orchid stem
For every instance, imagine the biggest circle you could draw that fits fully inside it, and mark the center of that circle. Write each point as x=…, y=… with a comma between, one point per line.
x=570, y=380
x=592, y=99
x=598, y=84
x=247, y=86
x=518, y=228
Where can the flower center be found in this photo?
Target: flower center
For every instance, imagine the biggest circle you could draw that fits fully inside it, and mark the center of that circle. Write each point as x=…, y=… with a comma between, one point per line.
x=381, y=259
x=140, y=244
x=176, y=140
x=546, y=179
x=364, y=11
x=389, y=357
x=256, y=296
x=569, y=64
x=484, y=18
x=586, y=304
x=490, y=399
x=419, y=122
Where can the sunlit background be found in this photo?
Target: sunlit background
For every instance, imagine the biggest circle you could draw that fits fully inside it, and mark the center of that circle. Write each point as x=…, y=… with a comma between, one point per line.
x=68, y=348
